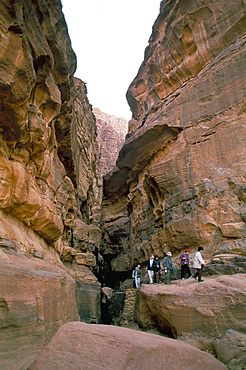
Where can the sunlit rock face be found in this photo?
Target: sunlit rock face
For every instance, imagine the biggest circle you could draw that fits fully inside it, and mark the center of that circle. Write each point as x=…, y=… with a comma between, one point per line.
x=198, y=313
x=37, y=297
x=111, y=137
x=77, y=345
x=49, y=193
x=48, y=142
x=180, y=179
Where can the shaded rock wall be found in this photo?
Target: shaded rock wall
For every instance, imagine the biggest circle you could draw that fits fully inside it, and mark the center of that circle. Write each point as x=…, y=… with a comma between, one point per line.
x=112, y=131
x=180, y=179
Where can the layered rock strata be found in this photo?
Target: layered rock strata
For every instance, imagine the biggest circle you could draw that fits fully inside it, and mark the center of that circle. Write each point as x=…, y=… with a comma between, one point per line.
x=180, y=178
x=49, y=192
x=198, y=313
x=111, y=131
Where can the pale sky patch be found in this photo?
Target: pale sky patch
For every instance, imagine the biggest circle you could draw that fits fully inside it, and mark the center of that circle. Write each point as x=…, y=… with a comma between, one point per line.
x=109, y=38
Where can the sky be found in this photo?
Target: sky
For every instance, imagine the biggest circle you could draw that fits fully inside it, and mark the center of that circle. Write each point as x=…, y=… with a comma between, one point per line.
x=109, y=38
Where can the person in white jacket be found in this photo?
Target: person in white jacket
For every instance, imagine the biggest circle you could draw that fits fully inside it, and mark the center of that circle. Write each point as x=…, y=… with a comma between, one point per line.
x=198, y=264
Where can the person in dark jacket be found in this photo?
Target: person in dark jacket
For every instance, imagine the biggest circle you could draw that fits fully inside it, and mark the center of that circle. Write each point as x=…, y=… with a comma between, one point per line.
x=184, y=263
x=157, y=270
x=150, y=268
x=168, y=268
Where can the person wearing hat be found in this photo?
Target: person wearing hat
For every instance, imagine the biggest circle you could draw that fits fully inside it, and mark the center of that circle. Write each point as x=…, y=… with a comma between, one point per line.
x=150, y=268
x=198, y=264
x=136, y=275
x=184, y=263
x=168, y=268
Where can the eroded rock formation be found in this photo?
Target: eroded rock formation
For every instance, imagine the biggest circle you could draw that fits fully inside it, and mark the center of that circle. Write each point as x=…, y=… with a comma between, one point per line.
x=195, y=313
x=79, y=345
x=111, y=131
x=49, y=192
x=180, y=179
x=37, y=297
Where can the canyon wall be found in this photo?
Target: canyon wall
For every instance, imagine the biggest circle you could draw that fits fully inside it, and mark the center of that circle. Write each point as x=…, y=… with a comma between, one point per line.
x=180, y=177
x=111, y=131
x=49, y=191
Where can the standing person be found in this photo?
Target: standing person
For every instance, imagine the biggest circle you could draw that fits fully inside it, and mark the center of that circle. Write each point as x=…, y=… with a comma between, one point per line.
x=168, y=267
x=136, y=275
x=150, y=268
x=184, y=262
x=198, y=264
x=157, y=270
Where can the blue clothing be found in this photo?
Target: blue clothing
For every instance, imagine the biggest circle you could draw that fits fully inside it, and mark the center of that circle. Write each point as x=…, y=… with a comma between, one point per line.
x=167, y=262
x=168, y=265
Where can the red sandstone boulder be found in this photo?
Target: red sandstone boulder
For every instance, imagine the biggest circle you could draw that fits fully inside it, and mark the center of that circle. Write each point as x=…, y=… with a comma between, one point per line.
x=197, y=313
x=36, y=298
x=77, y=345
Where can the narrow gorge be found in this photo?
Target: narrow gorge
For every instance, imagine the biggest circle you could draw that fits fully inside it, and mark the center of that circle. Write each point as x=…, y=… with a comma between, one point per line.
x=85, y=196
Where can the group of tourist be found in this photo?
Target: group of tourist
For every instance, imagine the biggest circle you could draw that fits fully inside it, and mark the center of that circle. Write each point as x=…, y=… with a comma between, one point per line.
x=153, y=267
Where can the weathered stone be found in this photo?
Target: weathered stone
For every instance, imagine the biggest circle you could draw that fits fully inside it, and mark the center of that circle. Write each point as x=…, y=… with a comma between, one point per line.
x=88, y=293
x=84, y=156
x=179, y=172
x=230, y=346
x=194, y=312
x=36, y=298
x=111, y=136
x=48, y=178
x=87, y=259
x=68, y=254
x=79, y=345
x=84, y=235
x=107, y=293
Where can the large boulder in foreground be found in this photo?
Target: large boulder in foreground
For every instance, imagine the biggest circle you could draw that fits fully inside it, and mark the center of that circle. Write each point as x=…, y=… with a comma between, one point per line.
x=197, y=313
x=77, y=345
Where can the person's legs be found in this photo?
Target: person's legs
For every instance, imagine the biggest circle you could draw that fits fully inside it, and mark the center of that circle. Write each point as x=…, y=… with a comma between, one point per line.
x=137, y=282
x=196, y=274
x=167, y=276
x=199, y=275
x=159, y=276
x=182, y=271
x=155, y=276
x=151, y=275
x=188, y=270
x=174, y=273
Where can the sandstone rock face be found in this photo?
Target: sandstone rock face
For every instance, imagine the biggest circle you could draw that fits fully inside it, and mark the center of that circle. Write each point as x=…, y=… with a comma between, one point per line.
x=180, y=177
x=87, y=293
x=231, y=349
x=49, y=191
x=78, y=345
x=111, y=137
x=33, y=89
x=47, y=126
x=36, y=298
x=198, y=313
